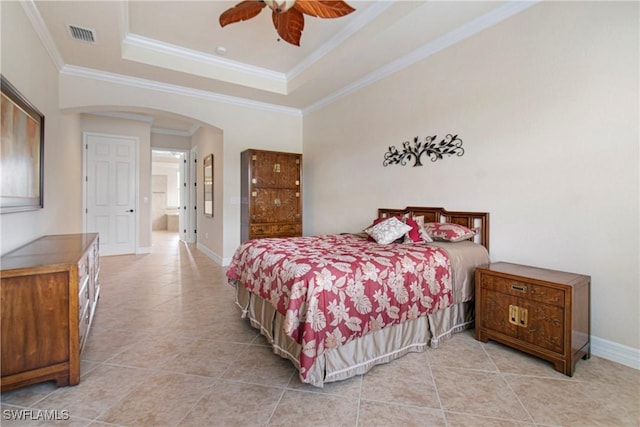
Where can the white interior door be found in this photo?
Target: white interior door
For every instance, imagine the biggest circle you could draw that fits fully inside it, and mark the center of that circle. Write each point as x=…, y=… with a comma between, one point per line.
x=110, y=196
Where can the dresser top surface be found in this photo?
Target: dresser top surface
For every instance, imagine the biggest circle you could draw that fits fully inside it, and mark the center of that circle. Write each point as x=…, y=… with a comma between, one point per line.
x=48, y=250
x=530, y=272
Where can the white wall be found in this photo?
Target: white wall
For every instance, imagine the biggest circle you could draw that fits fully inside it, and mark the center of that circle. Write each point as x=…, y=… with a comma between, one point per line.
x=547, y=106
x=35, y=76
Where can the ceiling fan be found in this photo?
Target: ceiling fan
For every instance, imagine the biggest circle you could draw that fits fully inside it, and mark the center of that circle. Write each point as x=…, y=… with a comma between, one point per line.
x=287, y=15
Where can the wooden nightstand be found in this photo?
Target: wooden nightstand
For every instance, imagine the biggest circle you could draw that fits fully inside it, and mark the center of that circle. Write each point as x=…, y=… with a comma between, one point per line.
x=542, y=312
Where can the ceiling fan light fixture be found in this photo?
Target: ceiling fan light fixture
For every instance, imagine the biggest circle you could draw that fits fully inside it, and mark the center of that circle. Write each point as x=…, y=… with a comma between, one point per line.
x=287, y=15
x=280, y=6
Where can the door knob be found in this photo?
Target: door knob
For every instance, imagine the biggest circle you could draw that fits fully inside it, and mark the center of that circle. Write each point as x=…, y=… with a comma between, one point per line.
x=130, y=210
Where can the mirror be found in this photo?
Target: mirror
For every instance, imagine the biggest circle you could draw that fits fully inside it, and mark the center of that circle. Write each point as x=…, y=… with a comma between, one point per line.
x=208, y=185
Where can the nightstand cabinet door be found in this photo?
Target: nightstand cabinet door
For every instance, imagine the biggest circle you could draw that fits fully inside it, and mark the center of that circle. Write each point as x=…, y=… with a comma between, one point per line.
x=545, y=326
x=542, y=312
x=494, y=305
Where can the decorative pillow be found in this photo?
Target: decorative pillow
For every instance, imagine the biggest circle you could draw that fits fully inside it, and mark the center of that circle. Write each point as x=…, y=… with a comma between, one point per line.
x=375, y=222
x=413, y=235
x=448, y=232
x=388, y=230
x=423, y=234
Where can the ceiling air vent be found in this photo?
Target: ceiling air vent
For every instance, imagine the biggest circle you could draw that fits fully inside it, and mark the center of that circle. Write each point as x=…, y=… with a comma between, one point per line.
x=82, y=34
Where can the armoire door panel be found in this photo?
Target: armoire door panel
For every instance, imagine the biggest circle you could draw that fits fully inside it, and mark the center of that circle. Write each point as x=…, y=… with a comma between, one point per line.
x=275, y=170
x=274, y=205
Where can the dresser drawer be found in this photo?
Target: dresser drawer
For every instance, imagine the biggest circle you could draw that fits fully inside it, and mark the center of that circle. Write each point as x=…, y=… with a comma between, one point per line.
x=263, y=230
x=83, y=324
x=290, y=229
x=518, y=288
x=83, y=269
x=83, y=295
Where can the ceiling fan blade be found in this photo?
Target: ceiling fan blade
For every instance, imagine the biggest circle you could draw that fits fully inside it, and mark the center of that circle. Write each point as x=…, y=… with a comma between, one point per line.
x=241, y=12
x=323, y=8
x=289, y=25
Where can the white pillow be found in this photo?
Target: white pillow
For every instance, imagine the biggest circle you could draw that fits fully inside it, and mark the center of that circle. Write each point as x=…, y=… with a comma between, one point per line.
x=388, y=231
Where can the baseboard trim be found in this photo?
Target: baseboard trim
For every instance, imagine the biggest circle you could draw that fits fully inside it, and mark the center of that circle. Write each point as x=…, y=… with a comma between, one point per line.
x=209, y=253
x=143, y=250
x=615, y=352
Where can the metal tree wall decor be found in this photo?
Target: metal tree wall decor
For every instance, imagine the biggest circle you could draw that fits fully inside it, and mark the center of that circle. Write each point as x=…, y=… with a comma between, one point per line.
x=449, y=146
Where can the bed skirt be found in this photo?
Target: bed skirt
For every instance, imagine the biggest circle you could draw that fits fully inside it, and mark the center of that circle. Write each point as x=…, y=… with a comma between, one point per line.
x=362, y=354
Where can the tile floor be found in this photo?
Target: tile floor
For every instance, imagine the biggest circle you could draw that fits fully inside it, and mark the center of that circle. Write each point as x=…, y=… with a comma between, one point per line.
x=168, y=349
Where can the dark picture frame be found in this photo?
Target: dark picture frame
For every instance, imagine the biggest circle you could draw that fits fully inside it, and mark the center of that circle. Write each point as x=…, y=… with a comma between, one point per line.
x=22, y=153
x=208, y=185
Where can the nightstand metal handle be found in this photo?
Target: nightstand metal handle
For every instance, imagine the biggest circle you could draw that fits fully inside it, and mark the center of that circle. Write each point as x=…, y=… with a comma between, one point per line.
x=518, y=316
x=513, y=314
x=519, y=288
x=523, y=317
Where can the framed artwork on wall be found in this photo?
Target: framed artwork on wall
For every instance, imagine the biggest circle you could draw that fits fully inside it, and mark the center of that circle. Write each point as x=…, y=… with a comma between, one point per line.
x=22, y=153
x=208, y=185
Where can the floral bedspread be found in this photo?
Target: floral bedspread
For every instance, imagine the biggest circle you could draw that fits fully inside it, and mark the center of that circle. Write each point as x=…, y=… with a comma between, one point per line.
x=334, y=288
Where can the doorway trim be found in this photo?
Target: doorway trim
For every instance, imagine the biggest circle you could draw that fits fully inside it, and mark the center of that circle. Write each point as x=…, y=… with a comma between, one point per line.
x=192, y=184
x=185, y=201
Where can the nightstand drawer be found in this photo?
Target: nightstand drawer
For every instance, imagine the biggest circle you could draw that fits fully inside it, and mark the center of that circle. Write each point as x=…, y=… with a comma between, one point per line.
x=543, y=294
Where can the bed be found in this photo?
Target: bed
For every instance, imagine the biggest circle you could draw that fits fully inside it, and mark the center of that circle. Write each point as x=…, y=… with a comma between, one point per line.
x=337, y=305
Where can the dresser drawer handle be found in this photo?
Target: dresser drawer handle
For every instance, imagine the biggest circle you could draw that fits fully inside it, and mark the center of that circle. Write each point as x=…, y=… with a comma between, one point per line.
x=518, y=288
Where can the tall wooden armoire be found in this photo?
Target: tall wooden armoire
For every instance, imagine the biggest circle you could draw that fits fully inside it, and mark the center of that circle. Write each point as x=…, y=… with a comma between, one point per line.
x=271, y=204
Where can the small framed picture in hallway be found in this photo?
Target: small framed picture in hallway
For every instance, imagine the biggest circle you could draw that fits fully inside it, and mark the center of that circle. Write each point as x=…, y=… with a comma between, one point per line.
x=208, y=185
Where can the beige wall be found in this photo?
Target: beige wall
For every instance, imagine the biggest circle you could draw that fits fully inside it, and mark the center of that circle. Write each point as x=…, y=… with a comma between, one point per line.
x=209, y=140
x=37, y=79
x=172, y=142
x=547, y=106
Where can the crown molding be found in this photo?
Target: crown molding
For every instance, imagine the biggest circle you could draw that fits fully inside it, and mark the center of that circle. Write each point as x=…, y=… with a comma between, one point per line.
x=144, y=44
x=146, y=119
x=154, y=52
x=465, y=31
x=354, y=26
x=75, y=71
x=31, y=10
x=122, y=115
x=184, y=133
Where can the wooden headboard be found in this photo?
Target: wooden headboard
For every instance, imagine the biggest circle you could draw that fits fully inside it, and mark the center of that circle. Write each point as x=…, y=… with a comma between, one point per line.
x=475, y=220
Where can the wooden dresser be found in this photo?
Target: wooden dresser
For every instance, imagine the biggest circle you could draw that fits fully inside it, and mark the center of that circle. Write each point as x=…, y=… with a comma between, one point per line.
x=270, y=194
x=49, y=289
x=542, y=312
